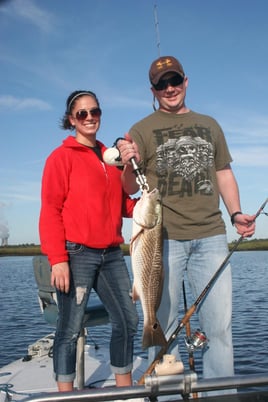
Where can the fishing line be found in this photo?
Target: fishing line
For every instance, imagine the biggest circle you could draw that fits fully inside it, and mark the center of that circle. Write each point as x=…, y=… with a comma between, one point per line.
x=194, y=306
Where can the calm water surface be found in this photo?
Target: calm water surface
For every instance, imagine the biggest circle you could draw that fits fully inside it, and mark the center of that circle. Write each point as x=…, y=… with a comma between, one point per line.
x=21, y=322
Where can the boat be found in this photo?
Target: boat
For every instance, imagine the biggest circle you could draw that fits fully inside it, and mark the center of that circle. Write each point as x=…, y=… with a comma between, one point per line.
x=30, y=377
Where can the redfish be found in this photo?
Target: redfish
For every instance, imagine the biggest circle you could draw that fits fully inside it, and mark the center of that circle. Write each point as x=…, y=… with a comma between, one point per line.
x=147, y=266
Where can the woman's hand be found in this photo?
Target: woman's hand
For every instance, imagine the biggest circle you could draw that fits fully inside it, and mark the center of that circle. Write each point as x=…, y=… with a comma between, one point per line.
x=60, y=276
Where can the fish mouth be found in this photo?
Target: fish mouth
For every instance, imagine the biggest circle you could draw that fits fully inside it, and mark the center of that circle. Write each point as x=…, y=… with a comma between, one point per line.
x=147, y=211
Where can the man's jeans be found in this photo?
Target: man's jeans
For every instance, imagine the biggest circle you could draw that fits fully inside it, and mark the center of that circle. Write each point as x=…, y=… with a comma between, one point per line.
x=199, y=260
x=104, y=270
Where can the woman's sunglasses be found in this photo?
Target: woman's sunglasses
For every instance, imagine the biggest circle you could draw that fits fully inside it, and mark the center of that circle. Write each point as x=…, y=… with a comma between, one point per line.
x=83, y=113
x=172, y=81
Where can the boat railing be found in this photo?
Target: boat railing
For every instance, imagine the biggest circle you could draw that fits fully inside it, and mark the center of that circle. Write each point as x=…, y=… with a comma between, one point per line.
x=181, y=384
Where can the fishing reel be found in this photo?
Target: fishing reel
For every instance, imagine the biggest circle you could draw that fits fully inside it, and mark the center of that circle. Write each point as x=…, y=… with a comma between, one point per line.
x=198, y=340
x=112, y=157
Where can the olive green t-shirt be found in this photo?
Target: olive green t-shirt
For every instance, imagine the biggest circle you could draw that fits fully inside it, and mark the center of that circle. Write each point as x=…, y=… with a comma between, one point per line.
x=180, y=156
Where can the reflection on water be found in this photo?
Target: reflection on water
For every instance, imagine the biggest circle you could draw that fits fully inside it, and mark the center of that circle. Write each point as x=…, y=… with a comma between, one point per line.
x=22, y=324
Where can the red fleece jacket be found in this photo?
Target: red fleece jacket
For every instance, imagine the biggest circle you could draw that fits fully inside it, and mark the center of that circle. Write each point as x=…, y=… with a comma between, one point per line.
x=81, y=201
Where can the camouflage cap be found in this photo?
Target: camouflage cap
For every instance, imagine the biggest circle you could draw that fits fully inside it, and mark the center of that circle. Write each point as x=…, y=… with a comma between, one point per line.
x=163, y=65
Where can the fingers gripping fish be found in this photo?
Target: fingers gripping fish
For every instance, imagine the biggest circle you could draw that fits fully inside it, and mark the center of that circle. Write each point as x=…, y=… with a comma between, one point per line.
x=147, y=267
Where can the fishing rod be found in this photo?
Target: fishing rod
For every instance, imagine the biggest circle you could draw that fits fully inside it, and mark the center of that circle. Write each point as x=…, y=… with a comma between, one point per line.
x=197, y=340
x=188, y=337
x=194, y=306
x=188, y=331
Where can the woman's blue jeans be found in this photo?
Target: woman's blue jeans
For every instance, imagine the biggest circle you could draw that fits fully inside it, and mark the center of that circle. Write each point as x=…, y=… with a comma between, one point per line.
x=104, y=270
x=199, y=260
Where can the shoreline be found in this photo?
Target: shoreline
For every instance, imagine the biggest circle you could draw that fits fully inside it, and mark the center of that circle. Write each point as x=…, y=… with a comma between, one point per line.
x=32, y=249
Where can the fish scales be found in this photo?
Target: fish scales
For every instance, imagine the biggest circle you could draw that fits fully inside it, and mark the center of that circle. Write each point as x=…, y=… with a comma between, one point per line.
x=147, y=266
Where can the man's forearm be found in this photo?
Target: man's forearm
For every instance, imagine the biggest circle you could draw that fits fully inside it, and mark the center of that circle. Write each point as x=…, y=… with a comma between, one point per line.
x=129, y=182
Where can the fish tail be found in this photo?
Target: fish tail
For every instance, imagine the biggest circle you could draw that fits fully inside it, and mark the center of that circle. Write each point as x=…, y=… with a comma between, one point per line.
x=153, y=335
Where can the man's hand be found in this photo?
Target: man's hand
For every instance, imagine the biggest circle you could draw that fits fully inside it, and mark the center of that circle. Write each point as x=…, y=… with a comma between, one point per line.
x=245, y=224
x=128, y=149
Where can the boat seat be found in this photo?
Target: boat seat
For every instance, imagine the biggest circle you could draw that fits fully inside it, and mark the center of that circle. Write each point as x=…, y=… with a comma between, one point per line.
x=95, y=314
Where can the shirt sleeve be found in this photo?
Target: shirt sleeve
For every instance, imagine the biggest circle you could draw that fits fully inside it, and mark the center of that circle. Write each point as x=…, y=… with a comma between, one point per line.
x=53, y=194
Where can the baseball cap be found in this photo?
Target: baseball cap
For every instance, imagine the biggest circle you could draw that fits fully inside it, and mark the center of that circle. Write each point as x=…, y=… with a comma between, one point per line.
x=163, y=65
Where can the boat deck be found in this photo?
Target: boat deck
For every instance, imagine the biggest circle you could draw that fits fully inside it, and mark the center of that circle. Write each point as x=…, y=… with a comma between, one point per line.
x=30, y=379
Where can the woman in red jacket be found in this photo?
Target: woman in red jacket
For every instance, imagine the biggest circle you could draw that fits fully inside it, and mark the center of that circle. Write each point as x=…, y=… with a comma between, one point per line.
x=80, y=230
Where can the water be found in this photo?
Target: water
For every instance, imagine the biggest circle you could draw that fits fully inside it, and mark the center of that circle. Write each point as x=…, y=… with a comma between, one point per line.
x=21, y=322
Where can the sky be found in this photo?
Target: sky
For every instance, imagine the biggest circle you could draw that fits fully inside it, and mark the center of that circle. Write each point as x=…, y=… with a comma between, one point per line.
x=50, y=48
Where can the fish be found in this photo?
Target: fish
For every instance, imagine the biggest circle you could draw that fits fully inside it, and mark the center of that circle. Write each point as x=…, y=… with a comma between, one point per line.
x=147, y=265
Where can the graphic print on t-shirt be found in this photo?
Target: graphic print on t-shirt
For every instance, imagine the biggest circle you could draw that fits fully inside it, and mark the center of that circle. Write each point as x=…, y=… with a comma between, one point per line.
x=185, y=153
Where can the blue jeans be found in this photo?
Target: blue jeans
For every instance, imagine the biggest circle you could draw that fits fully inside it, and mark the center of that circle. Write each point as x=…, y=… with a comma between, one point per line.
x=200, y=259
x=104, y=270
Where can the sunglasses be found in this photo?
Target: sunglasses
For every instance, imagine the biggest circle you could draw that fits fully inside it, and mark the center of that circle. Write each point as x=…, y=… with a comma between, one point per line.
x=172, y=81
x=83, y=113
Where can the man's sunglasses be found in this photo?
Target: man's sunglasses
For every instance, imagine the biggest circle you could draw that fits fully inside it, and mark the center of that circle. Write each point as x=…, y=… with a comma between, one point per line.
x=172, y=81
x=83, y=113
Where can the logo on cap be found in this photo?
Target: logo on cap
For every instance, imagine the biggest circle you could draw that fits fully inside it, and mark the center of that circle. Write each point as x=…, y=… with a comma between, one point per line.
x=167, y=63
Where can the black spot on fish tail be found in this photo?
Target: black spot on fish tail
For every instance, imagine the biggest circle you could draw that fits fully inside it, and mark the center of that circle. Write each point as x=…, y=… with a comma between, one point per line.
x=153, y=335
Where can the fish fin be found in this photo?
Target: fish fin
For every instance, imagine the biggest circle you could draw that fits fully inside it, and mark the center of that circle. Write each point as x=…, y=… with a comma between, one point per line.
x=132, y=240
x=153, y=335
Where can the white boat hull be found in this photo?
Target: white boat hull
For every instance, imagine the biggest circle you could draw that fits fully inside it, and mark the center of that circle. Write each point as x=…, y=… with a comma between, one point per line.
x=31, y=379
x=33, y=374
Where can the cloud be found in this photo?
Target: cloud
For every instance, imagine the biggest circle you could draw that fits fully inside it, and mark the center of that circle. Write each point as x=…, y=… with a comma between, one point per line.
x=30, y=12
x=21, y=195
x=3, y=205
x=10, y=102
x=114, y=101
x=14, y=189
x=251, y=156
x=4, y=231
x=250, y=131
